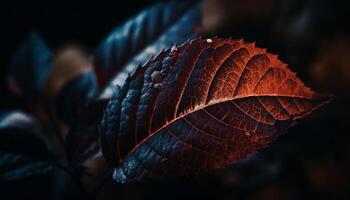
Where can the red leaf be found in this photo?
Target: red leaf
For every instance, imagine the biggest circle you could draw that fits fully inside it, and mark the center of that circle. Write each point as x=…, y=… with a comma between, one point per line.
x=200, y=106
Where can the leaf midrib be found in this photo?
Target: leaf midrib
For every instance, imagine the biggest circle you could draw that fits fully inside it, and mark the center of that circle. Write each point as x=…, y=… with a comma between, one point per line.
x=211, y=104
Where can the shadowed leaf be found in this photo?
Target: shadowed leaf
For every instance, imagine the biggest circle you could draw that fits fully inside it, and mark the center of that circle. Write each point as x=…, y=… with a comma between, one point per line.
x=22, y=152
x=75, y=94
x=200, y=106
x=30, y=66
x=156, y=28
x=82, y=139
x=71, y=83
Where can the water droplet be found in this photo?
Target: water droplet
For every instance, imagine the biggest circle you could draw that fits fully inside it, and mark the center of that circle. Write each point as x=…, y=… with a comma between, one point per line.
x=173, y=49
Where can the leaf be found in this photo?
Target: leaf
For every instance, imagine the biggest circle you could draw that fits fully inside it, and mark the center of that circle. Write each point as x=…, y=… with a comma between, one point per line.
x=156, y=28
x=71, y=83
x=22, y=152
x=201, y=106
x=30, y=66
x=17, y=166
x=74, y=95
x=82, y=139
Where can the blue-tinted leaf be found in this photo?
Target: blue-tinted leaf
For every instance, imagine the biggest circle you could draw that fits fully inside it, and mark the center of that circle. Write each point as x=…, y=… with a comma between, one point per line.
x=75, y=95
x=82, y=139
x=22, y=151
x=152, y=30
x=14, y=166
x=30, y=66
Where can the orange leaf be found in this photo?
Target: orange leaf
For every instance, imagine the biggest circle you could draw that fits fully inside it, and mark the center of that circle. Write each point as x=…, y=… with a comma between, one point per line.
x=199, y=106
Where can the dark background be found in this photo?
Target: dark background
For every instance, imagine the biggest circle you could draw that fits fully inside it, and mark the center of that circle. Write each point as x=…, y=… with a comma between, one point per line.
x=58, y=23
x=310, y=162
